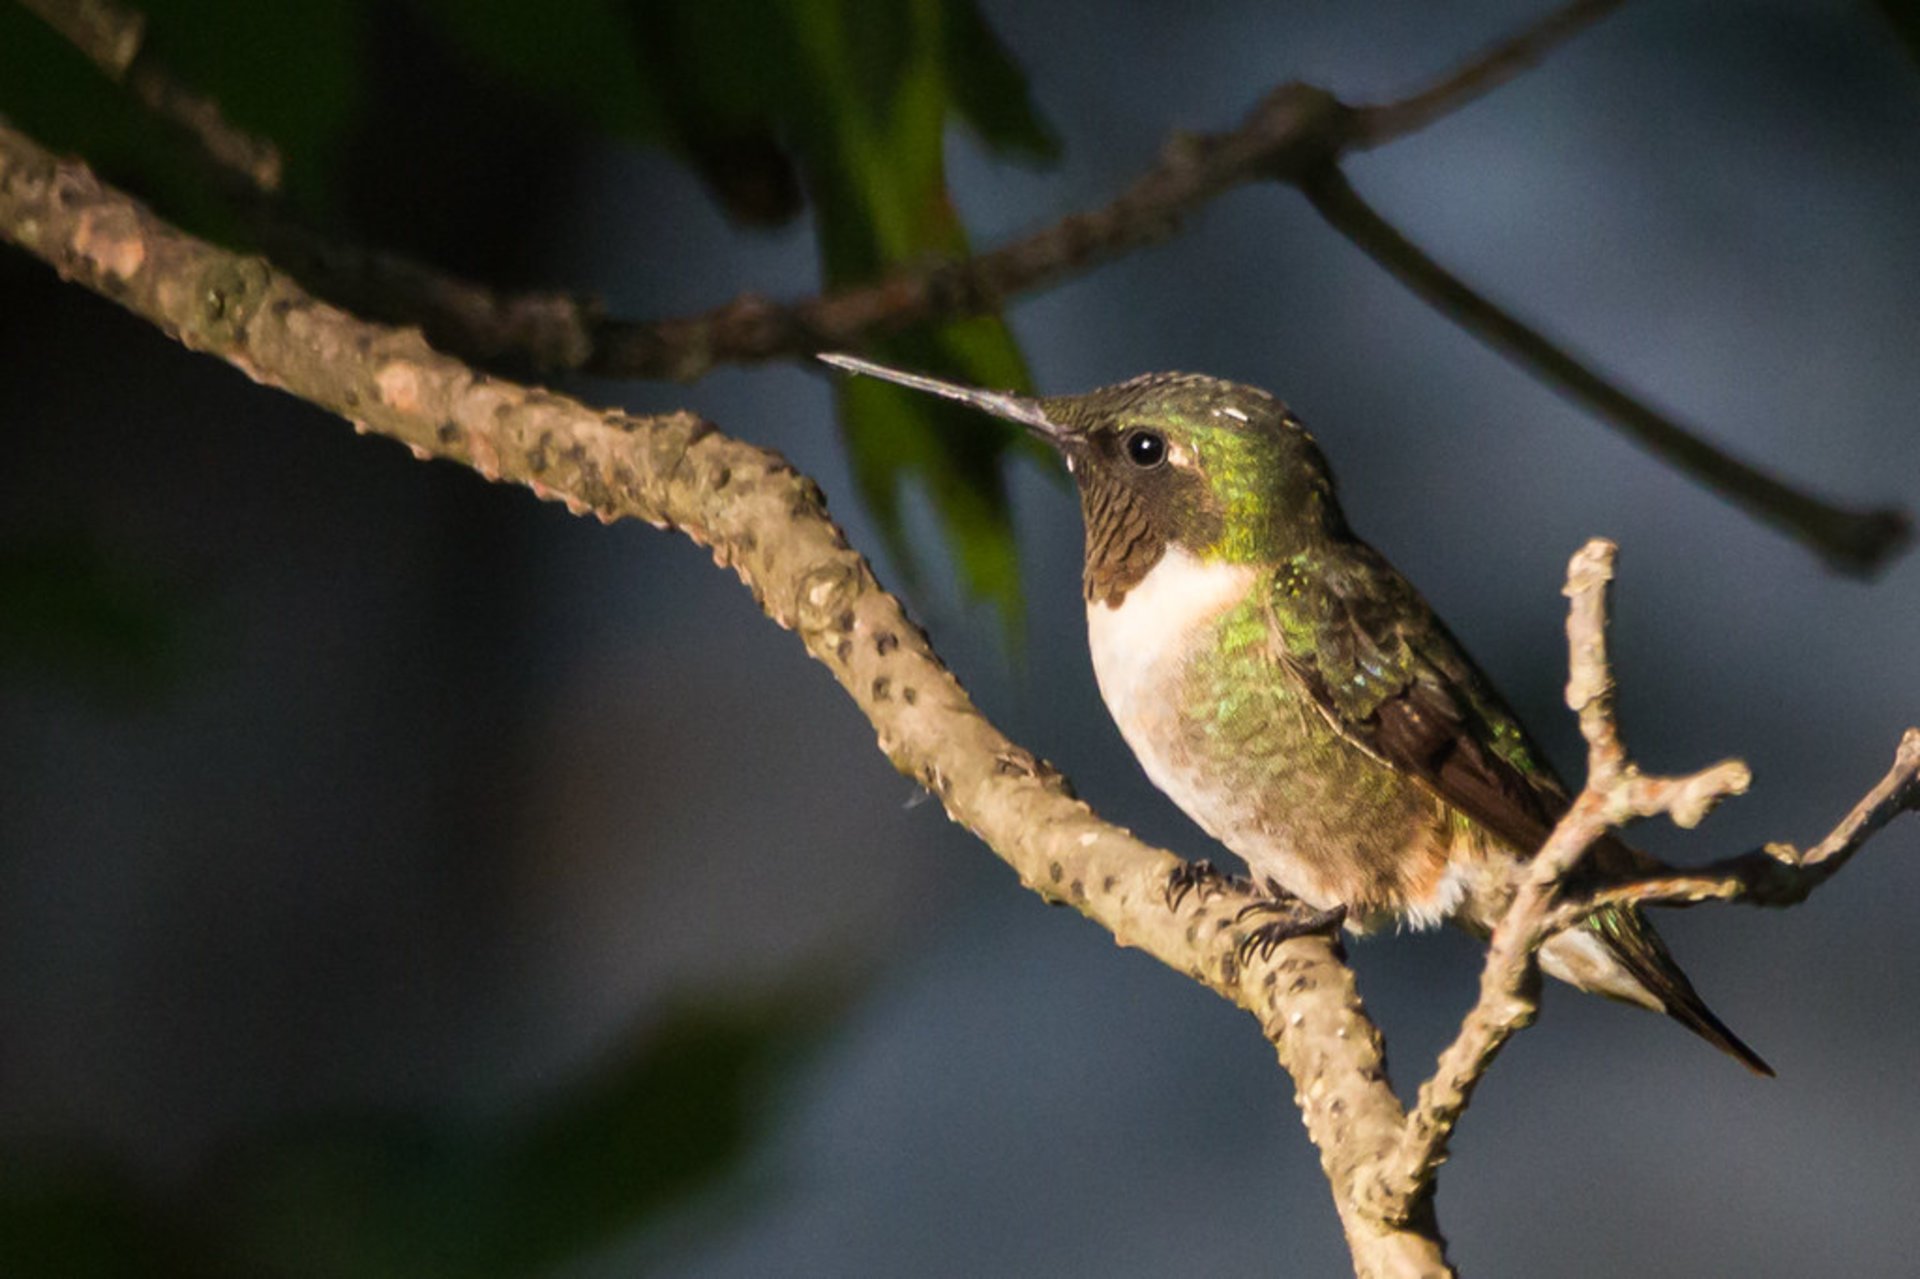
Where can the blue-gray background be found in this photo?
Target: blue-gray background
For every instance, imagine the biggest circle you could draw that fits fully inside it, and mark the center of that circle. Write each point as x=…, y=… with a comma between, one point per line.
x=457, y=790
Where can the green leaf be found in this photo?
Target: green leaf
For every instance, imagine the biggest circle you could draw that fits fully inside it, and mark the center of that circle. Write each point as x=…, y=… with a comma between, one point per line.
x=673, y=1115
x=883, y=81
x=93, y=619
x=1904, y=17
x=85, y=1223
x=854, y=97
x=952, y=453
x=579, y=54
x=291, y=73
x=990, y=90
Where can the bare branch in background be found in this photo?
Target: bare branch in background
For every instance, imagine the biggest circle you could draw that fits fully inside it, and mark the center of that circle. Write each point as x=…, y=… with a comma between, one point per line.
x=1295, y=134
x=114, y=38
x=1289, y=133
x=1492, y=67
x=1853, y=541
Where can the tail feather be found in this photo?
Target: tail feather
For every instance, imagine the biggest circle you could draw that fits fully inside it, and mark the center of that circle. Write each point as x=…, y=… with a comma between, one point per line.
x=1632, y=941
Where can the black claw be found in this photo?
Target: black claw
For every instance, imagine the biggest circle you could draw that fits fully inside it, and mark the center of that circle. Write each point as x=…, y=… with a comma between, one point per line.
x=1188, y=876
x=1300, y=921
x=1278, y=901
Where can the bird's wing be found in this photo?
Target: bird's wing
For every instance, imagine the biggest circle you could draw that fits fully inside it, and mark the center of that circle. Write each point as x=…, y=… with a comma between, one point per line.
x=1395, y=682
x=1390, y=677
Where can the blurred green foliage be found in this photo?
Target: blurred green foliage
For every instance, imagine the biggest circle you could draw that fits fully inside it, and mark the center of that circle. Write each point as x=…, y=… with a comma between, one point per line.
x=86, y=614
x=293, y=73
x=846, y=101
x=525, y=1190
x=1904, y=15
x=837, y=106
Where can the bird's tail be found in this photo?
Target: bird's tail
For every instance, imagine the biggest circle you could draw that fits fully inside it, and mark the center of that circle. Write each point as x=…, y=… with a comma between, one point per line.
x=1617, y=953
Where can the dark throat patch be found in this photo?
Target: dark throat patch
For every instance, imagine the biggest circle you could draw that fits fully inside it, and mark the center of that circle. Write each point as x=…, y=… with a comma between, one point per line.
x=1124, y=541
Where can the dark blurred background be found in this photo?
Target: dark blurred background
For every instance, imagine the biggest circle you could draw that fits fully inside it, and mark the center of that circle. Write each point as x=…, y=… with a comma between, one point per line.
x=399, y=876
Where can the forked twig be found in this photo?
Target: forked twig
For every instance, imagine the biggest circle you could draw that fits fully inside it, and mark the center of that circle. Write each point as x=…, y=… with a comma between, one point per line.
x=1615, y=793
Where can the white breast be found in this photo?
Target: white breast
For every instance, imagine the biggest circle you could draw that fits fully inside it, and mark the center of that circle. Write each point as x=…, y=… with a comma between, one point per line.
x=1139, y=647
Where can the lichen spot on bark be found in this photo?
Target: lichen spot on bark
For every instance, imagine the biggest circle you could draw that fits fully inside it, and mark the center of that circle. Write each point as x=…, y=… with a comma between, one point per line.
x=229, y=293
x=112, y=246
x=399, y=386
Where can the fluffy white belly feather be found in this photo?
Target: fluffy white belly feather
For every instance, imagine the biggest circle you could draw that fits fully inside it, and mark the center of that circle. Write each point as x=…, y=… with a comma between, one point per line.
x=1139, y=649
x=1139, y=658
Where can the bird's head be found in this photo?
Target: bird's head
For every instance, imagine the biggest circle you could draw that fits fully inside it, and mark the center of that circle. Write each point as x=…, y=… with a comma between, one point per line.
x=1219, y=469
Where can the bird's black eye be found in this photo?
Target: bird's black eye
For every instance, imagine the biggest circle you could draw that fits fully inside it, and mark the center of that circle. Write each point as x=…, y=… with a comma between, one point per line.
x=1145, y=449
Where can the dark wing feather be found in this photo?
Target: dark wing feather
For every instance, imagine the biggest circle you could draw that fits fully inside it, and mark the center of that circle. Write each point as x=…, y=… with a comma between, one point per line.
x=1395, y=682
x=1391, y=678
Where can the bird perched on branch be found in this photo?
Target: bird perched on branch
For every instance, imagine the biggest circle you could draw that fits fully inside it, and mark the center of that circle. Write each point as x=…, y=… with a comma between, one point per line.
x=1284, y=685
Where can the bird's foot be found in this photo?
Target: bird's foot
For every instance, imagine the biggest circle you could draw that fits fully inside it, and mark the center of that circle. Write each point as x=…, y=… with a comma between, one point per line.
x=1188, y=876
x=1298, y=920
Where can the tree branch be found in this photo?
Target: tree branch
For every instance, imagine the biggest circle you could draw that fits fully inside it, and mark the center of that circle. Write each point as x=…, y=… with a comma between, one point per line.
x=1779, y=875
x=1489, y=69
x=769, y=524
x=1290, y=132
x=1615, y=793
x=1857, y=542
x=1295, y=134
x=114, y=38
x=1293, y=131
x=1289, y=128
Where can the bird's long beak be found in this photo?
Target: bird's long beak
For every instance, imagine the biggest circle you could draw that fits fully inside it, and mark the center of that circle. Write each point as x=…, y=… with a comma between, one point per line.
x=1013, y=408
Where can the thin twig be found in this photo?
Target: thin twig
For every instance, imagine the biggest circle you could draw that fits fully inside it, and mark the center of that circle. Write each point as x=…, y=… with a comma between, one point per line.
x=1294, y=134
x=1487, y=71
x=1777, y=876
x=1856, y=542
x=114, y=38
x=1615, y=792
x=109, y=34
x=1290, y=131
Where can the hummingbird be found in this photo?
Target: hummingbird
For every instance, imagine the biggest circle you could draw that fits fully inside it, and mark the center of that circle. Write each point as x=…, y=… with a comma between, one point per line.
x=1295, y=696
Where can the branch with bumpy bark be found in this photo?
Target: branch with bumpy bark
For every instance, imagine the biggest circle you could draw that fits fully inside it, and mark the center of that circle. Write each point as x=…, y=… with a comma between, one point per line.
x=770, y=525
